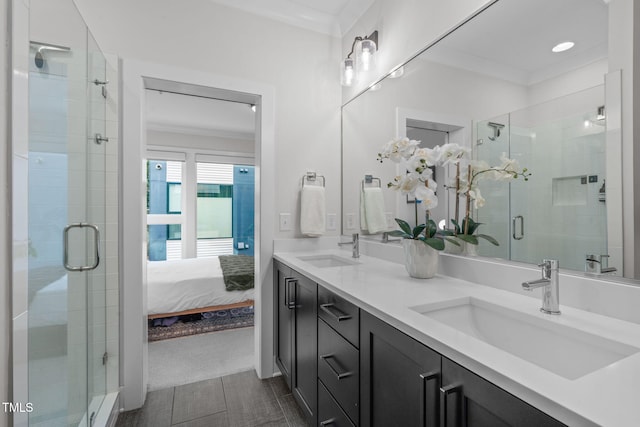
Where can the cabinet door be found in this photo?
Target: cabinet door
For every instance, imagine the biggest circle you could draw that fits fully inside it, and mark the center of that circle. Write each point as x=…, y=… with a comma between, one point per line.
x=471, y=401
x=283, y=312
x=305, y=369
x=399, y=377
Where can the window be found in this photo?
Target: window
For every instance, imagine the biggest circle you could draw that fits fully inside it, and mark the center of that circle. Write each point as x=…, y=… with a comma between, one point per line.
x=198, y=209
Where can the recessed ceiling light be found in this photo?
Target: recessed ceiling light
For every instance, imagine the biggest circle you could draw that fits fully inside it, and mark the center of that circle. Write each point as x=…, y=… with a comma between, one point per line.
x=561, y=47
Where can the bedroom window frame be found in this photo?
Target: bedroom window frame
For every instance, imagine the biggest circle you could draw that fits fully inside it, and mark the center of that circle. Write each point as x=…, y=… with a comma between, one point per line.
x=187, y=218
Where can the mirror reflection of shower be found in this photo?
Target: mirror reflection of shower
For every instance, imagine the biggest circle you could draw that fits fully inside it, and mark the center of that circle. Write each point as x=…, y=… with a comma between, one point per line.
x=496, y=130
x=41, y=47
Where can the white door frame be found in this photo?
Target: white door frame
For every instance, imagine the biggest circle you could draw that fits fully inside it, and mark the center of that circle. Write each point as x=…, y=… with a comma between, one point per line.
x=132, y=249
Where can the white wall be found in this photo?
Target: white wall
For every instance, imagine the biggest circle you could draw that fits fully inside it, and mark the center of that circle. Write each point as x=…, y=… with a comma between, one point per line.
x=202, y=142
x=405, y=28
x=5, y=283
x=300, y=64
x=624, y=24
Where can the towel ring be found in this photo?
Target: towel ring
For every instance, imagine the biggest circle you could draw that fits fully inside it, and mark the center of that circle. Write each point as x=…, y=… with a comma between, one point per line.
x=369, y=179
x=312, y=177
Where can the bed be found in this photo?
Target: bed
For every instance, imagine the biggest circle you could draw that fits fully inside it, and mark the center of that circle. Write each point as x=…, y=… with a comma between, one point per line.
x=190, y=286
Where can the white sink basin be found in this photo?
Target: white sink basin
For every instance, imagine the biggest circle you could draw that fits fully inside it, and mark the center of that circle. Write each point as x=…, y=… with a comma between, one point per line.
x=325, y=261
x=566, y=351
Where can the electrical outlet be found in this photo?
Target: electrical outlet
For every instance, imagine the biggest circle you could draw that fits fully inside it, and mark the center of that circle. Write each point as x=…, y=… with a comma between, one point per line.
x=351, y=221
x=389, y=218
x=285, y=222
x=332, y=220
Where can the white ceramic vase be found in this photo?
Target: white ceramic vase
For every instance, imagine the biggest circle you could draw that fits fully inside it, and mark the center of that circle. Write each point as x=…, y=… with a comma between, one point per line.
x=469, y=249
x=420, y=259
x=464, y=248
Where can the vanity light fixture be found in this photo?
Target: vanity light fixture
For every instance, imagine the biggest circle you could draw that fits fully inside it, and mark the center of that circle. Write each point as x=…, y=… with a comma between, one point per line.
x=361, y=59
x=561, y=47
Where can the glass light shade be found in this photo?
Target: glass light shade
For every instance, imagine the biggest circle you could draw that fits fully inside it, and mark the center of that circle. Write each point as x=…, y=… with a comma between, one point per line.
x=366, y=55
x=348, y=72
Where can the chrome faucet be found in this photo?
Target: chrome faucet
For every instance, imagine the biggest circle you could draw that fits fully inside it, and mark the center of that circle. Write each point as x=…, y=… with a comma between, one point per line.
x=386, y=239
x=551, y=284
x=355, y=241
x=598, y=264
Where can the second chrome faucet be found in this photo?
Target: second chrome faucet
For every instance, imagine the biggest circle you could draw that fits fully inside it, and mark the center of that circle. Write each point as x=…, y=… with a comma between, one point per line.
x=550, y=284
x=355, y=242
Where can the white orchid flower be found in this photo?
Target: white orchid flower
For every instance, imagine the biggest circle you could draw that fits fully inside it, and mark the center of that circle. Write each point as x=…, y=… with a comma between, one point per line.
x=426, y=196
x=478, y=200
x=452, y=153
x=398, y=149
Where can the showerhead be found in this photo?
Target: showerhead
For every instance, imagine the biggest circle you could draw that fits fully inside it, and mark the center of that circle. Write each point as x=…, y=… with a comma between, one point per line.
x=39, y=57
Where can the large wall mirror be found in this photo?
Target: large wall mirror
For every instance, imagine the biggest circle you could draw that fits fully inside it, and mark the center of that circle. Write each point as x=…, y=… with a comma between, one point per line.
x=495, y=86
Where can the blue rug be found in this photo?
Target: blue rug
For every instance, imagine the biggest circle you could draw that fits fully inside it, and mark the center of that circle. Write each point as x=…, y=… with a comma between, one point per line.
x=162, y=329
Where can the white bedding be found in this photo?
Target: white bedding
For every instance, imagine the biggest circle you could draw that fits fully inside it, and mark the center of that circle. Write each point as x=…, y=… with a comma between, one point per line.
x=185, y=284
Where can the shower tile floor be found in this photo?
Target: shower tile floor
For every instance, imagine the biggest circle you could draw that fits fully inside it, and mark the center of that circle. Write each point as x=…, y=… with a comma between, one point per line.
x=240, y=399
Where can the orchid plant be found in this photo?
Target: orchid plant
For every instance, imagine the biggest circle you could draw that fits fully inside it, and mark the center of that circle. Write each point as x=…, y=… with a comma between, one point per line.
x=418, y=182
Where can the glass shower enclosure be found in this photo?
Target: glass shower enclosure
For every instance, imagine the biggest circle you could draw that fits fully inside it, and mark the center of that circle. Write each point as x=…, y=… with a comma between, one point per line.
x=562, y=207
x=66, y=194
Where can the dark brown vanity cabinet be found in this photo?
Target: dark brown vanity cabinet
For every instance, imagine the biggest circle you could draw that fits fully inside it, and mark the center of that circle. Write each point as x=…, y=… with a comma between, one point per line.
x=296, y=335
x=338, y=360
x=399, y=377
x=405, y=383
x=469, y=400
x=347, y=368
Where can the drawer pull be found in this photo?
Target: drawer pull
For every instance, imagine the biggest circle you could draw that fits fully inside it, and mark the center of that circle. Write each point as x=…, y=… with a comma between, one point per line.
x=334, y=312
x=327, y=358
x=429, y=399
x=328, y=422
x=445, y=393
x=291, y=304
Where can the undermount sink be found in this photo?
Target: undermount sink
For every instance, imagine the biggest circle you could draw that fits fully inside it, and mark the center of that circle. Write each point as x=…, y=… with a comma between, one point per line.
x=325, y=261
x=568, y=352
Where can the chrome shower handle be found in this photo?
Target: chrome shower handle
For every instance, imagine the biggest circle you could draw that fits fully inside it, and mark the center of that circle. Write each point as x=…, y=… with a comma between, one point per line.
x=65, y=240
x=514, y=220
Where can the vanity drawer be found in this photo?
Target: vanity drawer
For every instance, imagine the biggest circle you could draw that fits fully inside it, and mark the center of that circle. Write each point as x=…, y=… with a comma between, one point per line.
x=340, y=314
x=329, y=412
x=338, y=369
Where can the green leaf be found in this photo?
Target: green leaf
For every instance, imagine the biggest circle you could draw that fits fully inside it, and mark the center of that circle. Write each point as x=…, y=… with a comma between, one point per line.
x=437, y=244
x=446, y=232
x=458, y=230
x=432, y=228
x=468, y=238
x=452, y=241
x=489, y=239
x=404, y=226
x=417, y=230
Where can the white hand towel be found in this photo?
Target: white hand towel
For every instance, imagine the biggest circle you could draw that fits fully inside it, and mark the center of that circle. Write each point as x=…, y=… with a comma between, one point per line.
x=374, y=210
x=312, y=210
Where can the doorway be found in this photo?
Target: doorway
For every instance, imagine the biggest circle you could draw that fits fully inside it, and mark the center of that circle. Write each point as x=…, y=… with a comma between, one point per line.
x=200, y=212
x=137, y=77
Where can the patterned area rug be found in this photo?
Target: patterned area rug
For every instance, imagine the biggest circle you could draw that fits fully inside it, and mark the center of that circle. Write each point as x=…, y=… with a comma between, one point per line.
x=200, y=323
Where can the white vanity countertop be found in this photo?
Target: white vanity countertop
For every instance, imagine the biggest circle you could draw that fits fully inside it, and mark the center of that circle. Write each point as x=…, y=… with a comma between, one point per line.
x=608, y=396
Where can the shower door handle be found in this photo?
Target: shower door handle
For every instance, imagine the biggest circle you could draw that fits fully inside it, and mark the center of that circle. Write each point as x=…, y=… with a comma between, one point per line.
x=515, y=219
x=96, y=240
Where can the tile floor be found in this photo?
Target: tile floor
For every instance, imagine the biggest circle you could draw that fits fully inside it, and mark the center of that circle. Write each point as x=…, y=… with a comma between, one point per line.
x=241, y=400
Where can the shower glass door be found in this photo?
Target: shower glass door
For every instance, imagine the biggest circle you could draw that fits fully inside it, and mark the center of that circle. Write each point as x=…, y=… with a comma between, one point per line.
x=66, y=275
x=562, y=144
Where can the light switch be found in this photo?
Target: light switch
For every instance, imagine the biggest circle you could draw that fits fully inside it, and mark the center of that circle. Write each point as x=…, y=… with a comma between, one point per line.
x=285, y=222
x=331, y=222
x=389, y=219
x=351, y=221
